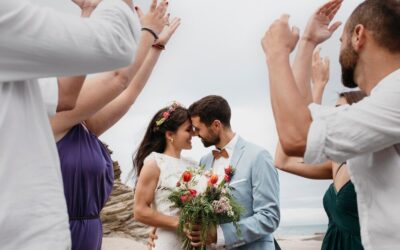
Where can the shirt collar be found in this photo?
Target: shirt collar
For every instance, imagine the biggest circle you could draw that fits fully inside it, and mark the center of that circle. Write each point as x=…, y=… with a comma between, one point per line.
x=392, y=78
x=231, y=145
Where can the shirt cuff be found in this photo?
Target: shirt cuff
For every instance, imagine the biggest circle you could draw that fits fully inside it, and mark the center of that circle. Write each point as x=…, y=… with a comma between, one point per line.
x=49, y=89
x=316, y=135
x=220, y=238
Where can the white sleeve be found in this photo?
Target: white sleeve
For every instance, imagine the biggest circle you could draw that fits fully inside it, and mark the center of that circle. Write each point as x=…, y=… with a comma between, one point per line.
x=369, y=126
x=38, y=42
x=49, y=90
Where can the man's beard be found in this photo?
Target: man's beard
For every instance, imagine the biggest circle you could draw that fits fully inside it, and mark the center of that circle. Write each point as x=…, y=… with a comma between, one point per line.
x=214, y=140
x=348, y=61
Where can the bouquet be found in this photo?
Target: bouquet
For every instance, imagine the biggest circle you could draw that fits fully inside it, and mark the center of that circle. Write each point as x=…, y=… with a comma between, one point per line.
x=204, y=201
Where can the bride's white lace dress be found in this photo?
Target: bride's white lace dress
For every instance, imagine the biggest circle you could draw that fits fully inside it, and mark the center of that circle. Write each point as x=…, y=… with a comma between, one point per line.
x=170, y=171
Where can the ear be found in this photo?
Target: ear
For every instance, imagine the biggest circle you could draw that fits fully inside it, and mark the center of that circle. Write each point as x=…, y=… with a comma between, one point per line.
x=358, y=38
x=216, y=124
x=168, y=135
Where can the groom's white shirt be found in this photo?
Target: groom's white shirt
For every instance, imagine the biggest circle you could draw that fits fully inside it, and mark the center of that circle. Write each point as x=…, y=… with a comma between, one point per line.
x=218, y=167
x=38, y=42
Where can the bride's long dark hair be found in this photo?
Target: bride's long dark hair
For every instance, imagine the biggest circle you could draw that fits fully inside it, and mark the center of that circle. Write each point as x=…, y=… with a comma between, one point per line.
x=154, y=139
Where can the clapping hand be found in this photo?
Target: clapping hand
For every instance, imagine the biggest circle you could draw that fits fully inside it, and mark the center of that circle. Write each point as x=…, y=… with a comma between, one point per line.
x=319, y=27
x=87, y=6
x=320, y=70
x=156, y=18
x=279, y=38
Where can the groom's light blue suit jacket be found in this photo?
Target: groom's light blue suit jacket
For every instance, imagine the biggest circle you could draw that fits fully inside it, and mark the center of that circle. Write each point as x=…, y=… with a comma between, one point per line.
x=256, y=186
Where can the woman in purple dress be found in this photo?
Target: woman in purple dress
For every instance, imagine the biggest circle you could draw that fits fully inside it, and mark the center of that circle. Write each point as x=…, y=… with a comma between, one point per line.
x=85, y=163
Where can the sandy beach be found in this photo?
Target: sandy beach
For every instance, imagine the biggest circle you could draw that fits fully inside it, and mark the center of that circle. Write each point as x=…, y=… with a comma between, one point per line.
x=312, y=242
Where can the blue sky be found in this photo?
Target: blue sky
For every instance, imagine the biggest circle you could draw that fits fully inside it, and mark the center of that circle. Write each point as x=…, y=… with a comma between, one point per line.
x=217, y=51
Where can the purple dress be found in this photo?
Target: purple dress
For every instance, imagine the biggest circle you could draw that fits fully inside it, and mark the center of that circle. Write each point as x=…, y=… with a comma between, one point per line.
x=88, y=177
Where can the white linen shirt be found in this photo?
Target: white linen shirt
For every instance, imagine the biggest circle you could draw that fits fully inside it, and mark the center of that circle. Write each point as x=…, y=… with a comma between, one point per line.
x=38, y=42
x=219, y=169
x=367, y=136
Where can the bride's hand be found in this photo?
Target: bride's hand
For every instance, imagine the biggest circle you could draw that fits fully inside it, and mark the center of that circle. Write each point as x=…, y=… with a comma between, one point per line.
x=151, y=240
x=168, y=31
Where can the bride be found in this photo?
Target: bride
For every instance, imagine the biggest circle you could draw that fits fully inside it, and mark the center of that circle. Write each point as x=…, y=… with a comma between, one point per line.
x=159, y=165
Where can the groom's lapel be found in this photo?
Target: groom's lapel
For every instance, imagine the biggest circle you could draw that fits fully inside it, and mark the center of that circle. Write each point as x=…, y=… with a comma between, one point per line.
x=209, y=161
x=237, y=152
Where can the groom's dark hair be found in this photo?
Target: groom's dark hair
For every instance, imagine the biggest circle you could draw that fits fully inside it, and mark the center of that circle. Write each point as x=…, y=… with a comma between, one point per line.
x=382, y=17
x=211, y=108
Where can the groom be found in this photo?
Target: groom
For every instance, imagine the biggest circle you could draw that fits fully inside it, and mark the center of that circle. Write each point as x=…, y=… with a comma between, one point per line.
x=255, y=184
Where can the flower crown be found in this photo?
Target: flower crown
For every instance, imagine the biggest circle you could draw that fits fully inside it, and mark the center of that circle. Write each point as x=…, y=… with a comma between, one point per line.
x=168, y=113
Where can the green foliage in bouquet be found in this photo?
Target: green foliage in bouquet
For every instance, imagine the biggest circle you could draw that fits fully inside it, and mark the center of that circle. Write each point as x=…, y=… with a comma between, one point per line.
x=210, y=208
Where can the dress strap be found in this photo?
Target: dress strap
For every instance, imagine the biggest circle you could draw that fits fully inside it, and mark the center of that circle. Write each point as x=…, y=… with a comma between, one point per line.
x=340, y=166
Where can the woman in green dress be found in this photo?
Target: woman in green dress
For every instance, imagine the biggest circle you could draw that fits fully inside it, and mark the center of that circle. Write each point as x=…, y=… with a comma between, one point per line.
x=340, y=200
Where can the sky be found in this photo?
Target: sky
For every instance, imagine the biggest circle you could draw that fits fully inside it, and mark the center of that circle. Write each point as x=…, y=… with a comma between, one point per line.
x=217, y=50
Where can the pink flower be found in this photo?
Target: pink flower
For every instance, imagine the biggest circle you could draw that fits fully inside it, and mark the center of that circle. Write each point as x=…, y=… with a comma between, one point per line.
x=228, y=170
x=178, y=183
x=165, y=115
x=184, y=198
x=193, y=192
x=227, y=178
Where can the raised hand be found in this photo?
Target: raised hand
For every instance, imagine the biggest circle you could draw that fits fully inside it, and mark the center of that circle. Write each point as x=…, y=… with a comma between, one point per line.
x=87, y=6
x=319, y=27
x=168, y=31
x=320, y=70
x=279, y=38
x=156, y=18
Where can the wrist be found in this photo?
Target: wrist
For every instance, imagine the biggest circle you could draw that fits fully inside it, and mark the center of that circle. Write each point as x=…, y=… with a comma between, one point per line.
x=151, y=32
x=308, y=40
x=277, y=58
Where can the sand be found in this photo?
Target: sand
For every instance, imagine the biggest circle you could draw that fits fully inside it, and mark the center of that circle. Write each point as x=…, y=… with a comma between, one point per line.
x=312, y=242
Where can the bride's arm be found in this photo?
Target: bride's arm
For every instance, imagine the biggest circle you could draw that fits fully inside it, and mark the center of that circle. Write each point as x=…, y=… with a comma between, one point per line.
x=144, y=196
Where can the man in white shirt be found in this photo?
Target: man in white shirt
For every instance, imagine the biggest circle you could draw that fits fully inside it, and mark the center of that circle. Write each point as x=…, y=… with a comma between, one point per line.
x=38, y=42
x=366, y=134
x=255, y=184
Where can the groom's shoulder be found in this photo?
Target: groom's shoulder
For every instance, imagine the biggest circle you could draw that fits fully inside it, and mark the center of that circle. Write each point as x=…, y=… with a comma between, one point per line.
x=255, y=148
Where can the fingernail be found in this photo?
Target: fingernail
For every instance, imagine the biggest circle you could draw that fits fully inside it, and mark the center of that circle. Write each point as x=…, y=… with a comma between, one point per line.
x=166, y=3
x=136, y=8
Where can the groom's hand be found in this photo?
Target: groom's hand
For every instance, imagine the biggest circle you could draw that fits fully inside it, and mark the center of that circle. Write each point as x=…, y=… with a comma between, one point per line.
x=194, y=234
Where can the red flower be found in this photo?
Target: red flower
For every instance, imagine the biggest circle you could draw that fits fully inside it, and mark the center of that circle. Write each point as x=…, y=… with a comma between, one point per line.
x=227, y=178
x=165, y=115
x=193, y=192
x=184, y=198
x=228, y=170
x=213, y=179
x=178, y=183
x=186, y=176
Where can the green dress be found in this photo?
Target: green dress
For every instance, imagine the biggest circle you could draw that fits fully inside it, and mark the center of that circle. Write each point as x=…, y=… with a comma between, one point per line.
x=344, y=227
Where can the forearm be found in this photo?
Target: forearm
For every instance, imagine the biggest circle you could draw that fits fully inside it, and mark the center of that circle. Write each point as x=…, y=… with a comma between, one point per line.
x=114, y=111
x=318, y=92
x=302, y=69
x=291, y=114
x=151, y=217
x=146, y=40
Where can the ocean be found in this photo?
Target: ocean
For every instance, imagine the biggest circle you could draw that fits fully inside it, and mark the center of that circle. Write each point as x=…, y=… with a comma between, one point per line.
x=301, y=230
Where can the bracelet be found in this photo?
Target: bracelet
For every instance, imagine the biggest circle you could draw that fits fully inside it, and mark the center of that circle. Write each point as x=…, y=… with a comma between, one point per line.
x=151, y=32
x=158, y=46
